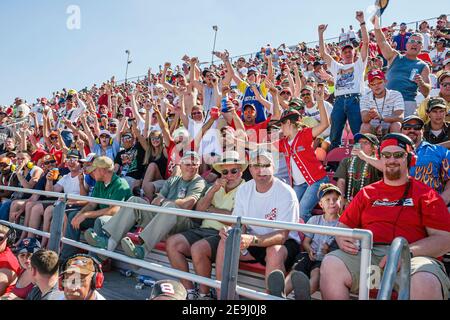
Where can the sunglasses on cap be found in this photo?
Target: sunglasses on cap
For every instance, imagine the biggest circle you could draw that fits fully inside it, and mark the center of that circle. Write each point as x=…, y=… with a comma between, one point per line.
x=232, y=171
x=408, y=126
x=396, y=155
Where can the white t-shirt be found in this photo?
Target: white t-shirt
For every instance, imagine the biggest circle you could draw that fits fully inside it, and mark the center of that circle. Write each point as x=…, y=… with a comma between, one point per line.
x=70, y=185
x=278, y=204
x=349, y=78
x=438, y=57
x=393, y=102
x=39, y=111
x=297, y=176
x=314, y=113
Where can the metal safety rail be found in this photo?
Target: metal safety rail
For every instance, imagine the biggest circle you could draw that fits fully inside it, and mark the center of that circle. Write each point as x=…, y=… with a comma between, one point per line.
x=398, y=252
x=232, y=246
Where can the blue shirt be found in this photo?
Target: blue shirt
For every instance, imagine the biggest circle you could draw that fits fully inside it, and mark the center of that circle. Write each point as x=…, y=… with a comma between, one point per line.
x=401, y=41
x=432, y=167
x=399, y=74
x=111, y=150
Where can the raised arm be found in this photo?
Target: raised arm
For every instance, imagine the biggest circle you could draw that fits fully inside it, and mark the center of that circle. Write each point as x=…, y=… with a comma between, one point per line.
x=324, y=120
x=88, y=132
x=165, y=84
x=365, y=35
x=323, y=51
x=386, y=50
x=164, y=127
x=192, y=78
x=183, y=116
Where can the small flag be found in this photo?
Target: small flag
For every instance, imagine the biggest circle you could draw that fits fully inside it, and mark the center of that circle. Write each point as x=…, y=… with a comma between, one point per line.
x=382, y=5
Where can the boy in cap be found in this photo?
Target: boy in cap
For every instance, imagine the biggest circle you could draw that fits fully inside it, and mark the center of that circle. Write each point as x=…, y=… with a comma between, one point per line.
x=304, y=278
x=437, y=130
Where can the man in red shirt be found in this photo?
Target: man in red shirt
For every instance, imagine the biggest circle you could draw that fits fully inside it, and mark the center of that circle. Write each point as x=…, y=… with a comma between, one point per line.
x=9, y=266
x=397, y=206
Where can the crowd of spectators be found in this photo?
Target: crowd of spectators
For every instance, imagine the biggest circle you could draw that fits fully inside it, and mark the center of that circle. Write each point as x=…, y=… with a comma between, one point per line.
x=249, y=138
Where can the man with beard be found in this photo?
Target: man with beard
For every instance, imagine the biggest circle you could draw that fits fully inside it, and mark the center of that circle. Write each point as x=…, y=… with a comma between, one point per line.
x=397, y=206
x=432, y=165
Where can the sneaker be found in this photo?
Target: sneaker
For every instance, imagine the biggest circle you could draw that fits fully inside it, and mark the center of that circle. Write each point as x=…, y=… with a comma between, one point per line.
x=300, y=283
x=275, y=283
x=131, y=249
x=93, y=239
x=134, y=236
x=205, y=296
x=192, y=294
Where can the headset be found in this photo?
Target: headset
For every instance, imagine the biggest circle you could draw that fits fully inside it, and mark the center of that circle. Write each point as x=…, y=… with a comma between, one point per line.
x=10, y=235
x=30, y=166
x=97, y=279
x=404, y=141
x=97, y=140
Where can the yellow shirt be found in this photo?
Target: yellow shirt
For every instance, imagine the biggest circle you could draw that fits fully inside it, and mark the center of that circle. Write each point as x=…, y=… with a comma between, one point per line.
x=422, y=110
x=224, y=201
x=244, y=85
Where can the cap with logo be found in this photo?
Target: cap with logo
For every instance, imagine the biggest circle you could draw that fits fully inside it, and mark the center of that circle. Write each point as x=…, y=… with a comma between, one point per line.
x=413, y=117
x=80, y=264
x=436, y=102
x=170, y=289
x=375, y=74
x=28, y=245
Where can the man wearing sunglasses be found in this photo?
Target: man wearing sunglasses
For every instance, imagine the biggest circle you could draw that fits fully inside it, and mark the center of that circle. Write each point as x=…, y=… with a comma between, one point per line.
x=398, y=205
x=264, y=197
x=128, y=162
x=201, y=243
x=407, y=73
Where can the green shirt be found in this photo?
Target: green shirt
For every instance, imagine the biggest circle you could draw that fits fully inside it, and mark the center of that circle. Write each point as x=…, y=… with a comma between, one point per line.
x=176, y=188
x=118, y=189
x=371, y=175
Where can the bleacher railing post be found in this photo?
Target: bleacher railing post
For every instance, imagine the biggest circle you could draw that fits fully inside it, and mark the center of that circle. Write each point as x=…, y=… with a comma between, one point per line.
x=57, y=225
x=399, y=252
x=231, y=262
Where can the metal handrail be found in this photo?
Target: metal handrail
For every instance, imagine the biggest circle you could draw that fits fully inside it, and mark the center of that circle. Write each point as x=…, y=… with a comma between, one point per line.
x=398, y=252
x=365, y=236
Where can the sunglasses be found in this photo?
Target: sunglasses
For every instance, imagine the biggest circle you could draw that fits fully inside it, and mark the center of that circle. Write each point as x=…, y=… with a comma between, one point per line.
x=261, y=165
x=415, y=127
x=196, y=114
x=155, y=138
x=232, y=171
x=49, y=162
x=412, y=41
x=305, y=95
x=54, y=138
x=113, y=125
x=396, y=155
x=286, y=92
x=104, y=136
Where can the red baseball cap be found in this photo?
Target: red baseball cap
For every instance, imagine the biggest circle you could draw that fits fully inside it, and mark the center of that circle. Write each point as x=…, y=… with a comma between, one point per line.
x=374, y=74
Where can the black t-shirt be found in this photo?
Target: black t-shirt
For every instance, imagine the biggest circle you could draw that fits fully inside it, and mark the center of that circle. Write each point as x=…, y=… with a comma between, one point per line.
x=130, y=162
x=5, y=133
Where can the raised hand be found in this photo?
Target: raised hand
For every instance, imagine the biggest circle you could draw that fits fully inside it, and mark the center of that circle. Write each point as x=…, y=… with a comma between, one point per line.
x=360, y=16
x=375, y=21
x=167, y=65
x=322, y=28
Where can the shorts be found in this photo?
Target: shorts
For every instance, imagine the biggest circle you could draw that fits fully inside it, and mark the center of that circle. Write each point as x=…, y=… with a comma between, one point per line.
x=305, y=264
x=209, y=235
x=418, y=264
x=293, y=249
x=158, y=184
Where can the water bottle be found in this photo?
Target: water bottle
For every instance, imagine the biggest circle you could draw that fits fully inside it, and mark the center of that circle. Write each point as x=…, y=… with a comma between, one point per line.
x=146, y=280
x=126, y=273
x=244, y=252
x=413, y=74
